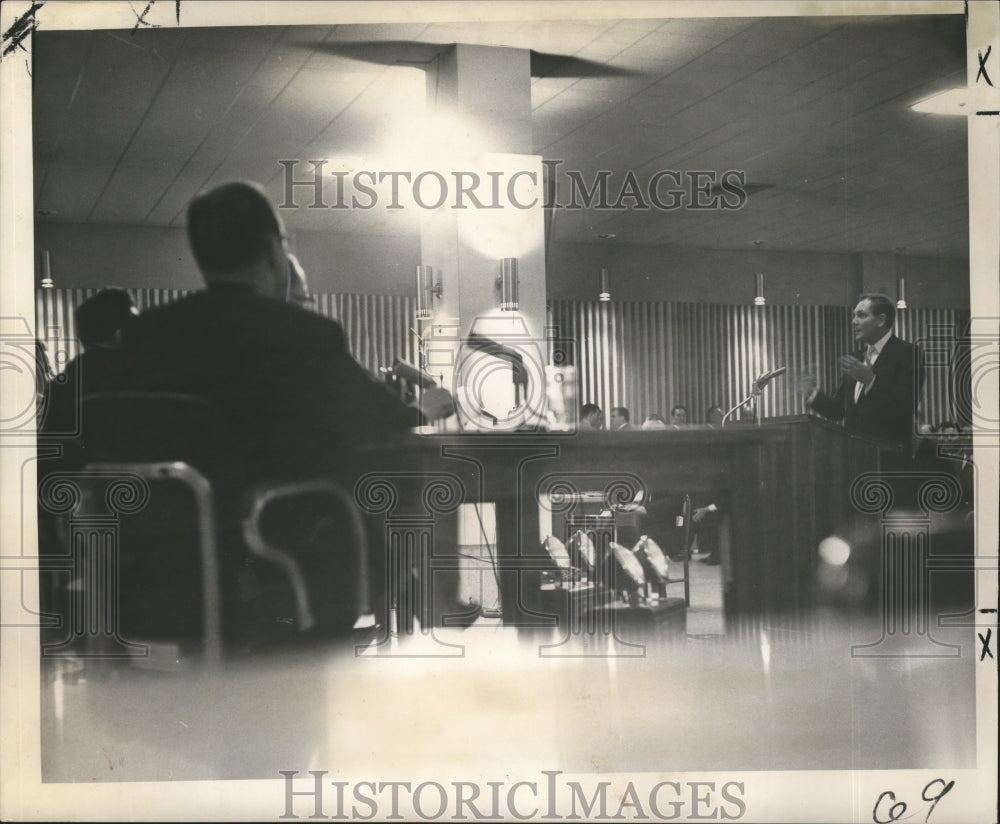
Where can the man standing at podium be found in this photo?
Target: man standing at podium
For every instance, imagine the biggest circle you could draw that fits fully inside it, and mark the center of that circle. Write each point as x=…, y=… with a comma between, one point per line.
x=882, y=378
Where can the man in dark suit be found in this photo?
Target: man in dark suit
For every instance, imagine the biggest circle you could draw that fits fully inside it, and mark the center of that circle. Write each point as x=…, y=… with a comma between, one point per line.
x=282, y=376
x=100, y=323
x=881, y=382
x=620, y=419
x=283, y=380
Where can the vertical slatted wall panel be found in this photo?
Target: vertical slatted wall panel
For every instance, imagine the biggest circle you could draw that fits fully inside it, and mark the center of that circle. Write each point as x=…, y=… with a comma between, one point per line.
x=700, y=354
x=646, y=356
x=377, y=326
x=643, y=353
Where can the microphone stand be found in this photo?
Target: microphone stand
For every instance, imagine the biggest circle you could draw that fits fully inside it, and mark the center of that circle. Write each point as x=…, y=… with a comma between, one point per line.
x=749, y=399
x=755, y=392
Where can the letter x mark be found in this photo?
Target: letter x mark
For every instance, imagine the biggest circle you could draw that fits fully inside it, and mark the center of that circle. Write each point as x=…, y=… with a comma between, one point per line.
x=140, y=19
x=986, y=644
x=982, y=66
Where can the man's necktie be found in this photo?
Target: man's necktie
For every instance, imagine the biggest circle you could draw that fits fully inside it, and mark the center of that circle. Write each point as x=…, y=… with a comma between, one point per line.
x=869, y=360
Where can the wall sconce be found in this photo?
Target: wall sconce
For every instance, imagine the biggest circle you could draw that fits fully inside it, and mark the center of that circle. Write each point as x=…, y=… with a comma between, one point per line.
x=605, y=294
x=425, y=288
x=758, y=298
x=758, y=295
x=507, y=282
x=900, y=281
x=47, y=282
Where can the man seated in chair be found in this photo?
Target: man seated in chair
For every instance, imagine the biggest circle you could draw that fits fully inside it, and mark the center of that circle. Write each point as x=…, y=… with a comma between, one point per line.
x=100, y=323
x=281, y=376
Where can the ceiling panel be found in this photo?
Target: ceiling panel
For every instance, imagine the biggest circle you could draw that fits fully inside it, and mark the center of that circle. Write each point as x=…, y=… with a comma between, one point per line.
x=129, y=128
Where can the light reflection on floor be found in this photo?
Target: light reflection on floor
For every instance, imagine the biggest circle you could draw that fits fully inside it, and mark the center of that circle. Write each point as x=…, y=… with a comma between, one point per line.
x=770, y=695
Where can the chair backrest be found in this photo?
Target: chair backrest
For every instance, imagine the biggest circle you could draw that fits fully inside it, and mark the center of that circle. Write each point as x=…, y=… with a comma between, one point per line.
x=296, y=551
x=180, y=555
x=313, y=532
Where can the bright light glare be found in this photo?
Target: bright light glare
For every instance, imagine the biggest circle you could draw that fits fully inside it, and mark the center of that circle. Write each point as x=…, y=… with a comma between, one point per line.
x=953, y=101
x=834, y=551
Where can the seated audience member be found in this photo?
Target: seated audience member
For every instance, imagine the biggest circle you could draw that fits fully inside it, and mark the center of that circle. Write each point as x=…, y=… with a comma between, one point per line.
x=678, y=416
x=620, y=419
x=953, y=449
x=654, y=421
x=283, y=378
x=101, y=321
x=714, y=417
x=591, y=417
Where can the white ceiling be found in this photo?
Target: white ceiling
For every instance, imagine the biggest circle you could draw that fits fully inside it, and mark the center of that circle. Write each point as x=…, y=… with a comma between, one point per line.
x=816, y=111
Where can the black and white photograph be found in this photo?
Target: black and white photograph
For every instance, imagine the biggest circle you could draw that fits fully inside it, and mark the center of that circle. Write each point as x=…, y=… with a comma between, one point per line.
x=499, y=411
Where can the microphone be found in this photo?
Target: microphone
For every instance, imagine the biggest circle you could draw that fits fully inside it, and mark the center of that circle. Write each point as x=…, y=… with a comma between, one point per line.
x=767, y=377
x=758, y=387
x=412, y=375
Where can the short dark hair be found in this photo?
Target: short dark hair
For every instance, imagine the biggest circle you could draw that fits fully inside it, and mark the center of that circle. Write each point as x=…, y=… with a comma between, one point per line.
x=98, y=318
x=589, y=409
x=620, y=411
x=881, y=305
x=677, y=406
x=229, y=226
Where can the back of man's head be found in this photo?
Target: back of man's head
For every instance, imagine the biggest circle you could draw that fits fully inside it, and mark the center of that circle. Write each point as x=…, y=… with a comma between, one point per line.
x=100, y=318
x=230, y=229
x=591, y=414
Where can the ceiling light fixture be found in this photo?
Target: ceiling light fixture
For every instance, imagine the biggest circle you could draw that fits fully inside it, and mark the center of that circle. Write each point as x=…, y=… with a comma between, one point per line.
x=758, y=298
x=508, y=284
x=425, y=288
x=953, y=102
x=900, y=283
x=47, y=282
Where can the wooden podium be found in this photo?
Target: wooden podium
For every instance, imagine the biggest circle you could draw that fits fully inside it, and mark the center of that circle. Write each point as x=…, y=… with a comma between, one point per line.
x=785, y=485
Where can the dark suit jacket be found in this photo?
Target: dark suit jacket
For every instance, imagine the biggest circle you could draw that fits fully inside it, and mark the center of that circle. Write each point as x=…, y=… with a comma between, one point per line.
x=96, y=370
x=281, y=375
x=887, y=411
